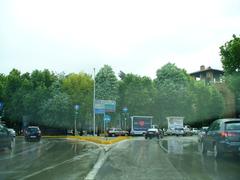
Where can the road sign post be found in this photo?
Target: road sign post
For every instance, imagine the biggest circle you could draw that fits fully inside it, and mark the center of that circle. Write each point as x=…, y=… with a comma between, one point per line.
x=106, y=119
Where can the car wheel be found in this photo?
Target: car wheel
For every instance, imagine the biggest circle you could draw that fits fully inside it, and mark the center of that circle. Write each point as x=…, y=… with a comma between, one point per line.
x=216, y=152
x=203, y=148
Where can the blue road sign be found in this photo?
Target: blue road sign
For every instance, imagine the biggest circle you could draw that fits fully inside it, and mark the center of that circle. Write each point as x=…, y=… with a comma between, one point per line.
x=125, y=109
x=107, y=118
x=1, y=105
x=77, y=107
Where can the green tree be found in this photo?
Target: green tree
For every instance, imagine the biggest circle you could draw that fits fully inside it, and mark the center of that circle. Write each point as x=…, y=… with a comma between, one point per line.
x=57, y=111
x=174, y=97
x=79, y=87
x=230, y=55
x=106, y=84
x=2, y=86
x=233, y=82
x=12, y=96
x=37, y=90
x=136, y=93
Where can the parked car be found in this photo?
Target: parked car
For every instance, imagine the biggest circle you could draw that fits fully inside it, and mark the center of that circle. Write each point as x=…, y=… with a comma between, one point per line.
x=151, y=133
x=195, y=131
x=12, y=132
x=179, y=131
x=201, y=133
x=169, y=132
x=117, y=132
x=32, y=133
x=223, y=136
x=187, y=130
x=5, y=138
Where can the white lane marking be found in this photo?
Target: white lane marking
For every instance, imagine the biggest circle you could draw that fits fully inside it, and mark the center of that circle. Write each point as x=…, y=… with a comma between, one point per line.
x=101, y=160
x=163, y=148
x=59, y=164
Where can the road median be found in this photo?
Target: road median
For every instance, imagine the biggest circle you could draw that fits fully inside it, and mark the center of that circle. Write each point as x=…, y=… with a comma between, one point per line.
x=95, y=139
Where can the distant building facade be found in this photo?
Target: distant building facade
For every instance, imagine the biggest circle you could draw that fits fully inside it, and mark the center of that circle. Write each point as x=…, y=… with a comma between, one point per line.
x=208, y=75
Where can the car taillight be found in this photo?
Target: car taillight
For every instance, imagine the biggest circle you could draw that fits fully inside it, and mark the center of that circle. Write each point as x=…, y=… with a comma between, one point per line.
x=227, y=134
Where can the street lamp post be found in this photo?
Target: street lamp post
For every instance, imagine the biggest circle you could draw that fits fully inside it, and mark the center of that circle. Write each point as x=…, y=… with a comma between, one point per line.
x=75, y=124
x=125, y=110
x=76, y=107
x=94, y=94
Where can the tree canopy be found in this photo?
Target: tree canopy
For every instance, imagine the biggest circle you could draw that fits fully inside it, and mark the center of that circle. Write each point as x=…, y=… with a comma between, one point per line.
x=230, y=55
x=46, y=98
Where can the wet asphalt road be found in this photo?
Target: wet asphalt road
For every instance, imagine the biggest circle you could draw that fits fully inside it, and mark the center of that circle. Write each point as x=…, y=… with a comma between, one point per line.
x=172, y=158
x=48, y=159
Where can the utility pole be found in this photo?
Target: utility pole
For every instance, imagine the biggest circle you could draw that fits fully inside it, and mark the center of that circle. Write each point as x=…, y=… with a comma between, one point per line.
x=76, y=107
x=94, y=123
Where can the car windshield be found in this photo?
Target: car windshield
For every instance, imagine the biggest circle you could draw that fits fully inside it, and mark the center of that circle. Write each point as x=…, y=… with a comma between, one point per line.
x=111, y=89
x=233, y=126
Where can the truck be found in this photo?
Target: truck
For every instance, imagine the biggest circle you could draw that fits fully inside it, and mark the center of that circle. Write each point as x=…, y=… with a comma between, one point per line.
x=140, y=124
x=175, y=123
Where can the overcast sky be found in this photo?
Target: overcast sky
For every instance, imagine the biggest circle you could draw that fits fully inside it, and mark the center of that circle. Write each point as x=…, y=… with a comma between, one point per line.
x=133, y=36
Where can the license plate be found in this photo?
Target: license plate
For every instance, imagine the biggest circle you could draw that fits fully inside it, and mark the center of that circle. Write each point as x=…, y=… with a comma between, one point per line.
x=32, y=136
x=151, y=133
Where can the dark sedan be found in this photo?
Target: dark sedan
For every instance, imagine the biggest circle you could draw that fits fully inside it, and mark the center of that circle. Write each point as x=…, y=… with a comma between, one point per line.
x=5, y=138
x=223, y=136
x=151, y=133
x=32, y=133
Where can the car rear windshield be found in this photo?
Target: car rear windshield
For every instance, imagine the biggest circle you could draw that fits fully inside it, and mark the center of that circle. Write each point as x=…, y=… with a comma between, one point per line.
x=32, y=129
x=233, y=126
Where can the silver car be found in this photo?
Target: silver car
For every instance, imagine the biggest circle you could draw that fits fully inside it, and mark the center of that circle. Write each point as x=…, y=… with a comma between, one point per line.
x=202, y=133
x=12, y=132
x=179, y=131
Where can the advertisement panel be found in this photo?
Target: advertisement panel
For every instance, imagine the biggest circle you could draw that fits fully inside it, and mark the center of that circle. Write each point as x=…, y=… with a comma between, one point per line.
x=140, y=124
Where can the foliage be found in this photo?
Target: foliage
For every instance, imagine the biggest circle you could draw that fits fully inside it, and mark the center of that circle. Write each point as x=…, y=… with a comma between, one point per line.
x=230, y=55
x=79, y=87
x=106, y=84
x=57, y=111
x=48, y=99
x=233, y=82
x=173, y=93
x=136, y=93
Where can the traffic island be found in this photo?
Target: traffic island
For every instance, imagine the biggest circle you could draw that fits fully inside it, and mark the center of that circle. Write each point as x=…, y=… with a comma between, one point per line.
x=95, y=139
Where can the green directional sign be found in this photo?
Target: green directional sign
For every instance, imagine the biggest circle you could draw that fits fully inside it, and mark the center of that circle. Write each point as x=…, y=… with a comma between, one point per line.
x=110, y=106
x=103, y=106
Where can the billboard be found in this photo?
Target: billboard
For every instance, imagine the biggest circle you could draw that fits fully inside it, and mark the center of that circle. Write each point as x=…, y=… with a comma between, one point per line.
x=141, y=123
